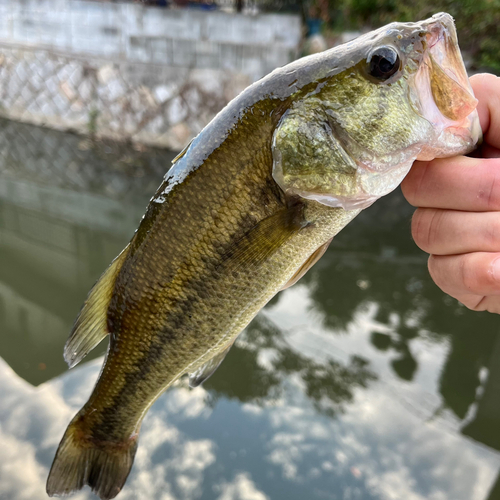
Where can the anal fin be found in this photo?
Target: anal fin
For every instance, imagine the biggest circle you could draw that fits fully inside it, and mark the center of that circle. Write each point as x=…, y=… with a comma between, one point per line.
x=206, y=370
x=90, y=327
x=310, y=261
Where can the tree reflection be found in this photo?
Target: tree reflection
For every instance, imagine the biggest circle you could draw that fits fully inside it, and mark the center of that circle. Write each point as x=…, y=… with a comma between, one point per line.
x=330, y=385
x=375, y=261
x=470, y=351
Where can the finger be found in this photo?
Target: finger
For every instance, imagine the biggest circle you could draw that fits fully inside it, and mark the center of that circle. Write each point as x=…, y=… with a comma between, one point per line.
x=467, y=274
x=487, y=90
x=448, y=232
x=458, y=183
x=490, y=303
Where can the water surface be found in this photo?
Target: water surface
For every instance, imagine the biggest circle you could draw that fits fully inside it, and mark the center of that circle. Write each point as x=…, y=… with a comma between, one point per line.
x=363, y=381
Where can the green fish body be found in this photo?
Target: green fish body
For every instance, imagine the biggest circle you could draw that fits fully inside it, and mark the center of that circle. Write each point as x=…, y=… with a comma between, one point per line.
x=245, y=211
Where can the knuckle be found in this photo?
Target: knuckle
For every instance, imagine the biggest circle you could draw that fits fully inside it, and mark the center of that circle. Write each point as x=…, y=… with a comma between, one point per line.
x=407, y=187
x=492, y=234
x=475, y=277
x=468, y=276
x=478, y=303
x=484, y=80
x=434, y=264
x=412, y=184
x=425, y=228
x=463, y=274
x=417, y=227
x=489, y=190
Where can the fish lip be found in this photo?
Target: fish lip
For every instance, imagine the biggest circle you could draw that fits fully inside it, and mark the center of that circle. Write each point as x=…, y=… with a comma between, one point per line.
x=441, y=74
x=444, y=50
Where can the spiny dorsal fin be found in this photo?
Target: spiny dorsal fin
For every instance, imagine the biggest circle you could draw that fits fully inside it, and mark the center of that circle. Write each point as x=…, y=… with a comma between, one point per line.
x=182, y=153
x=206, y=370
x=90, y=325
x=310, y=261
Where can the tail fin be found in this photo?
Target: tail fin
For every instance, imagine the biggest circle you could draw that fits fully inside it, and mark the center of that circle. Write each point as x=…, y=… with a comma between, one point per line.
x=79, y=462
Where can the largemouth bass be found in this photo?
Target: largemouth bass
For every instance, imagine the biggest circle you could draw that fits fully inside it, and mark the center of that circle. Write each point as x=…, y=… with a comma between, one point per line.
x=247, y=208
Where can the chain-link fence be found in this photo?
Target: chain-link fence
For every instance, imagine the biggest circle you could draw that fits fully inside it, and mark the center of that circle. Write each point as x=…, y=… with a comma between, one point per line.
x=126, y=71
x=104, y=98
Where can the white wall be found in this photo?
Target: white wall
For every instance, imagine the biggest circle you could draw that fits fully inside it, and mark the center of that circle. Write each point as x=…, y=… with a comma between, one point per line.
x=253, y=45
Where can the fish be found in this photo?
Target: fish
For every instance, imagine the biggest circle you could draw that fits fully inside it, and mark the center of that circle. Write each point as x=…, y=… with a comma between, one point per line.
x=247, y=208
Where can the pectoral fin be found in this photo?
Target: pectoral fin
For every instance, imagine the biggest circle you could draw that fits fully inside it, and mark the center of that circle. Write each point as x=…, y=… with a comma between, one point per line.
x=265, y=238
x=311, y=260
x=206, y=370
x=257, y=245
x=90, y=327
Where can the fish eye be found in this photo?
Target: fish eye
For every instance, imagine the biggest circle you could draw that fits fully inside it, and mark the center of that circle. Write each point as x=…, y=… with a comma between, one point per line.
x=383, y=62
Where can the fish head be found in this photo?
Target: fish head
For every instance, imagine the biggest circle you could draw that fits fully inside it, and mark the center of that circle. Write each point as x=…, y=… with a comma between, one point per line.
x=395, y=95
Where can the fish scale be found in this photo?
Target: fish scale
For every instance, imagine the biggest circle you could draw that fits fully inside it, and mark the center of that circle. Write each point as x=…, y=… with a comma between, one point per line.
x=195, y=248
x=122, y=380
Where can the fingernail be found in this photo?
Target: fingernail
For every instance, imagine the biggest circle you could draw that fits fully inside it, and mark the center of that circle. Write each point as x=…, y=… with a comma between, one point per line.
x=495, y=269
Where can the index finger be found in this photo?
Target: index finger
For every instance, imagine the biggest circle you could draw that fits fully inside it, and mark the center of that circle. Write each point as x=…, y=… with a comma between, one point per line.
x=458, y=183
x=487, y=91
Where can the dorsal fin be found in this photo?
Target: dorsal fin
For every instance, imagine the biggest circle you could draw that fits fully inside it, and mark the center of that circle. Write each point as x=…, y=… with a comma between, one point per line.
x=310, y=261
x=90, y=325
x=207, y=369
x=182, y=153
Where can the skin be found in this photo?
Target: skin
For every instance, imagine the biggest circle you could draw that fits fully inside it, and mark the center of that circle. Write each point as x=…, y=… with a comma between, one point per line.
x=458, y=217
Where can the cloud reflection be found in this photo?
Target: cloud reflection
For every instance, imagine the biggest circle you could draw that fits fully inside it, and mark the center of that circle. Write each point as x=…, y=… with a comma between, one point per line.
x=32, y=421
x=241, y=488
x=294, y=412
x=197, y=446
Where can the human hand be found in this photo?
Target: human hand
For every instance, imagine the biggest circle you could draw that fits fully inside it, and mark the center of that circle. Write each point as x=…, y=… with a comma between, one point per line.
x=458, y=216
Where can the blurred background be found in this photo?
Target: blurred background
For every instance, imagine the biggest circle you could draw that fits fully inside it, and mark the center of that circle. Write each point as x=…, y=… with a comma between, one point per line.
x=363, y=381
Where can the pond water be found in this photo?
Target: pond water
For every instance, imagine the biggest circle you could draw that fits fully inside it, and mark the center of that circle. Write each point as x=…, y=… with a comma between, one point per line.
x=363, y=381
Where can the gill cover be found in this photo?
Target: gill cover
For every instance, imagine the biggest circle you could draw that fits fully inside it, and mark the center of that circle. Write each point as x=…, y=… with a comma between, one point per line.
x=309, y=160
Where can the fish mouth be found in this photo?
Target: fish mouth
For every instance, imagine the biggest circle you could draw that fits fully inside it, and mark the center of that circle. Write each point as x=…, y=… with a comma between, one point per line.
x=444, y=93
x=449, y=82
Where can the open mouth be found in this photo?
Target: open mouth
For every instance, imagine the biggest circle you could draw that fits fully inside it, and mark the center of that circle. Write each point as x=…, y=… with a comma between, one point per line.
x=449, y=83
x=445, y=97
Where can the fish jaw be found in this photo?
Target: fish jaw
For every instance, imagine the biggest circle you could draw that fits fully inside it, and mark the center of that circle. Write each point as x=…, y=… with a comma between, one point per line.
x=444, y=95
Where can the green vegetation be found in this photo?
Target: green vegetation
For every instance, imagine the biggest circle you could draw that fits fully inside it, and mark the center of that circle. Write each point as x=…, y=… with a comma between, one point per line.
x=477, y=22
x=92, y=124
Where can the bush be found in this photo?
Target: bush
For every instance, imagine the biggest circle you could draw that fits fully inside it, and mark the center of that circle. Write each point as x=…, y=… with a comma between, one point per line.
x=477, y=22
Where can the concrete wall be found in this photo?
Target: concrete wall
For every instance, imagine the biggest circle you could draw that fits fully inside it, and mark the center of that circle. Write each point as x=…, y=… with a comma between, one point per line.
x=132, y=72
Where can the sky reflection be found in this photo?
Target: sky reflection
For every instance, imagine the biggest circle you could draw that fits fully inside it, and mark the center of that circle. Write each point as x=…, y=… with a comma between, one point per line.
x=191, y=447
